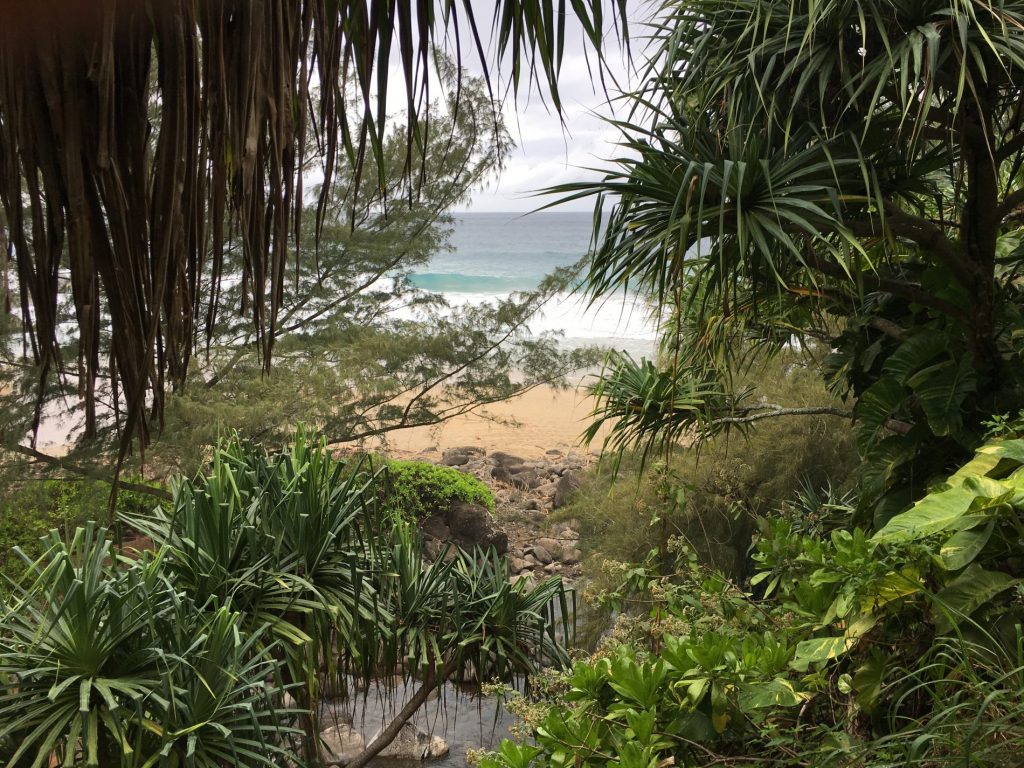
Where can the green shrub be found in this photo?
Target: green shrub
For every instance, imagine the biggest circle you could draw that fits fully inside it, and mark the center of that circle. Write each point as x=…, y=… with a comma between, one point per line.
x=898, y=647
x=711, y=498
x=418, y=489
x=31, y=508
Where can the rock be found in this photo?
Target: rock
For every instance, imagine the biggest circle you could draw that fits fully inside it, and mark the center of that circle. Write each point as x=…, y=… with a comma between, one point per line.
x=552, y=568
x=541, y=555
x=552, y=546
x=552, y=452
x=531, y=504
x=468, y=450
x=436, y=526
x=413, y=743
x=518, y=564
x=531, y=561
x=454, y=459
x=472, y=525
x=503, y=459
x=342, y=743
x=547, y=489
x=571, y=556
x=432, y=548
x=502, y=475
x=567, y=485
x=525, y=480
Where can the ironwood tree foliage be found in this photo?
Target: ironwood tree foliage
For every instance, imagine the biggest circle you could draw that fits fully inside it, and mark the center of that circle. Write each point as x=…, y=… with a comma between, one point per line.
x=360, y=350
x=843, y=175
x=139, y=137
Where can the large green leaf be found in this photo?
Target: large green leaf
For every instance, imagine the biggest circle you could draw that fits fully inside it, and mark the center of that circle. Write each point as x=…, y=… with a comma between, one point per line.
x=954, y=509
x=876, y=406
x=1004, y=449
x=968, y=592
x=941, y=390
x=963, y=546
x=914, y=353
x=819, y=649
x=773, y=693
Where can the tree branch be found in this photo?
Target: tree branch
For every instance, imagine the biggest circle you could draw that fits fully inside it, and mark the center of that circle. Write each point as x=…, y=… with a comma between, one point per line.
x=771, y=411
x=32, y=453
x=908, y=291
x=431, y=681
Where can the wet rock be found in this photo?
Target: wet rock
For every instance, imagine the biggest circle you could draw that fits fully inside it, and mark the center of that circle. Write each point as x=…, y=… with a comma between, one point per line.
x=541, y=555
x=472, y=525
x=413, y=743
x=342, y=743
x=567, y=485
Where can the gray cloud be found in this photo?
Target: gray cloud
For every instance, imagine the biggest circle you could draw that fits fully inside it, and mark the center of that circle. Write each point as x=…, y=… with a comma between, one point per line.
x=549, y=152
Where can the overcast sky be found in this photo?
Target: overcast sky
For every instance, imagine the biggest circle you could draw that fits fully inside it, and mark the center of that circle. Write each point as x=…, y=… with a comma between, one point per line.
x=547, y=152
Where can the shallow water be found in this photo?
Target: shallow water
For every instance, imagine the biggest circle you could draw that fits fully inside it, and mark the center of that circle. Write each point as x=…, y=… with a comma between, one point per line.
x=464, y=719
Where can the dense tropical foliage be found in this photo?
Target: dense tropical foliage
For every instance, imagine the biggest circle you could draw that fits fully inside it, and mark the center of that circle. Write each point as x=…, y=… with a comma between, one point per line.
x=268, y=574
x=901, y=647
x=843, y=177
x=840, y=181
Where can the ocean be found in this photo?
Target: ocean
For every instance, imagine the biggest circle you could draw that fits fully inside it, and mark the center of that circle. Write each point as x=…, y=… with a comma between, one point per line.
x=495, y=254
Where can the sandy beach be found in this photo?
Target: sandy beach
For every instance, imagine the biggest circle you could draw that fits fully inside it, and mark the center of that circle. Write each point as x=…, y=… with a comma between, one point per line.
x=541, y=420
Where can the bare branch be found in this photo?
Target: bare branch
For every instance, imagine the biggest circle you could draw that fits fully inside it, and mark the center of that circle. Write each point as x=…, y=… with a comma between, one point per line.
x=56, y=461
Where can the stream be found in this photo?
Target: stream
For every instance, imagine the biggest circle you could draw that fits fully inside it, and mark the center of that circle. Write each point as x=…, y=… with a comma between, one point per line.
x=461, y=716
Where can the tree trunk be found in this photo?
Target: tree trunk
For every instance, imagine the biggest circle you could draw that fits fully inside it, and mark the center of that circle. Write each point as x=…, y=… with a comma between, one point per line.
x=430, y=681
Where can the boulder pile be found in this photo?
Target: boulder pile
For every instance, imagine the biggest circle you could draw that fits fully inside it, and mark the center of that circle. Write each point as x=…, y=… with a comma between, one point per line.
x=526, y=492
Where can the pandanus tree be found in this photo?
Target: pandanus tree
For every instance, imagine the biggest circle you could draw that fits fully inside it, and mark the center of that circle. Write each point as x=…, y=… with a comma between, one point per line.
x=842, y=176
x=138, y=139
x=269, y=573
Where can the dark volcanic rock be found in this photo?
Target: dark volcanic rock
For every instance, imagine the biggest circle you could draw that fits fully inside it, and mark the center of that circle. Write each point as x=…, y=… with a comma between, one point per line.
x=502, y=475
x=503, y=459
x=436, y=526
x=469, y=450
x=455, y=459
x=471, y=525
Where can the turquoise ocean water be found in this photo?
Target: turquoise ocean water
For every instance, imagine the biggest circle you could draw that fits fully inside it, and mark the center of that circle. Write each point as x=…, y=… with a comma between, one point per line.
x=494, y=254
